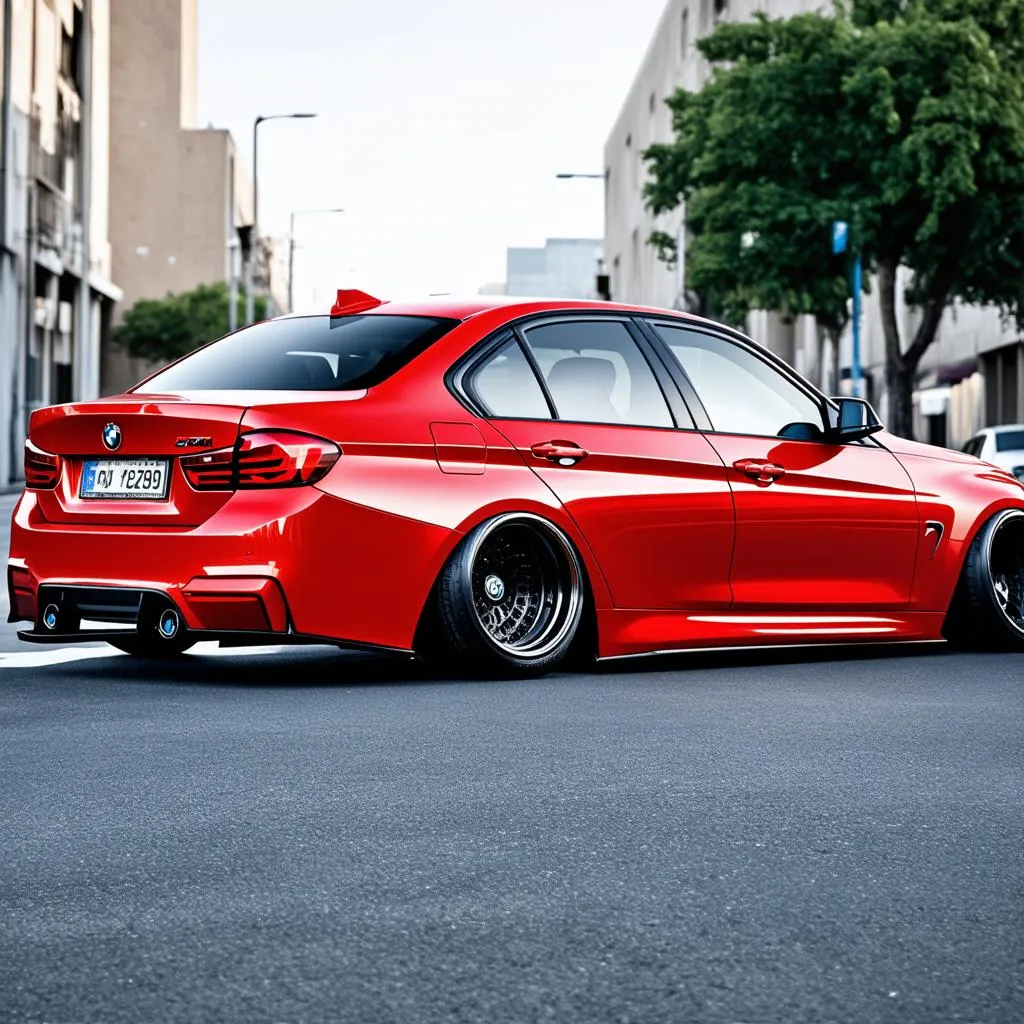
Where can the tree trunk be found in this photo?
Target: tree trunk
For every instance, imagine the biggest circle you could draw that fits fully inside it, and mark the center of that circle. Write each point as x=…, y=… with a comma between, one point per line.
x=901, y=367
x=899, y=389
x=899, y=386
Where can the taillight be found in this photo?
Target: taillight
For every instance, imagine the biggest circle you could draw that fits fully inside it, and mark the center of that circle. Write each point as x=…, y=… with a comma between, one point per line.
x=264, y=458
x=211, y=471
x=42, y=470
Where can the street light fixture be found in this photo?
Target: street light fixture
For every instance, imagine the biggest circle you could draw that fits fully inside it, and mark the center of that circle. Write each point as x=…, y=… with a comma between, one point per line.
x=564, y=175
x=291, y=248
x=250, y=302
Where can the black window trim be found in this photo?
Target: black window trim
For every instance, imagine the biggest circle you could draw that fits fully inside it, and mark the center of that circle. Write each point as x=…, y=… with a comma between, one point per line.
x=459, y=376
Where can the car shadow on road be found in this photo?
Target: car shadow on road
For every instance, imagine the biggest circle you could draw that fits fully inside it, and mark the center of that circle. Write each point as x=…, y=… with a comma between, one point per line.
x=325, y=666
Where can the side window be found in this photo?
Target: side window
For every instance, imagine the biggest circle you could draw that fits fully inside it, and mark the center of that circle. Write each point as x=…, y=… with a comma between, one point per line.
x=596, y=373
x=741, y=393
x=973, y=447
x=507, y=387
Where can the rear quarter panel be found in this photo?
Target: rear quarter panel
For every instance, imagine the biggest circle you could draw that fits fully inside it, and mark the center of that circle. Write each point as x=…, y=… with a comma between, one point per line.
x=399, y=515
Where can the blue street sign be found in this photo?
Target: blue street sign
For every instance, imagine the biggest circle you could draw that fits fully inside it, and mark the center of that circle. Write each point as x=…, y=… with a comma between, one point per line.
x=840, y=232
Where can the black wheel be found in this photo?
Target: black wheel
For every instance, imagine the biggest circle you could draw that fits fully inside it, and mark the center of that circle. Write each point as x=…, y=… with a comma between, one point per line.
x=510, y=599
x=159, y=635
x=988, y=608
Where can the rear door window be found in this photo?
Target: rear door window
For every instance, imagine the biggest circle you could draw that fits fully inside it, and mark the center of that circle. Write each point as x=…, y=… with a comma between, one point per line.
x=311, y=353
x=596, y=373
x=506, y=386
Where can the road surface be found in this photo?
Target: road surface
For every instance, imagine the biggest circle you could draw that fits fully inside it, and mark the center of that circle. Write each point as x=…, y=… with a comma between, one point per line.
x=307, y=836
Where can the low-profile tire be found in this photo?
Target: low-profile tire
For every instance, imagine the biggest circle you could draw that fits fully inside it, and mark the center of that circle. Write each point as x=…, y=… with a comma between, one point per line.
x=987, y=612
x=508, y=602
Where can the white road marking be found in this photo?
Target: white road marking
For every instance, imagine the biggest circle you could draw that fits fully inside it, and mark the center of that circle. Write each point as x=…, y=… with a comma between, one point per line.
x=40, y=658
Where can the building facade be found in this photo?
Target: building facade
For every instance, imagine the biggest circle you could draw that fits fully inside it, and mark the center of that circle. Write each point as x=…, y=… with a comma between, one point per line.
x=56, y=288
x=564, y=268
x=181, y=190
x=972, y=375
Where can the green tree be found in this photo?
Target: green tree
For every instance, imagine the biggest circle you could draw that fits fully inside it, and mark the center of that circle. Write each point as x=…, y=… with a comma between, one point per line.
x=161, y=330
x=903, y=117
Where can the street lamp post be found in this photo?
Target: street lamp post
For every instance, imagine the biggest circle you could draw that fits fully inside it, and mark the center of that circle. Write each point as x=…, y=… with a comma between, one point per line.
x=840, y=243
x=250, y=299
x=291, y=248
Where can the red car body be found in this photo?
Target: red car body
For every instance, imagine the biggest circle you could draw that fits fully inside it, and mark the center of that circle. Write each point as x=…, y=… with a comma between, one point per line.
x=688, y=537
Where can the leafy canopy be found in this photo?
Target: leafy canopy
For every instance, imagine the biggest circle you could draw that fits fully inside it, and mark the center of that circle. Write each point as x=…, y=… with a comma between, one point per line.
x=904, y=117
x=161, y=330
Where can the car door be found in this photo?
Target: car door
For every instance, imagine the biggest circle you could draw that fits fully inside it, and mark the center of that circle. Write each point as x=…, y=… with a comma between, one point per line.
x=818, y=525
x=593, y=412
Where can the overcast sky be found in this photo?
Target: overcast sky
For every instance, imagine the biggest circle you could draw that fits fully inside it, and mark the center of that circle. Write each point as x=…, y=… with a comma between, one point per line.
x=442, y=125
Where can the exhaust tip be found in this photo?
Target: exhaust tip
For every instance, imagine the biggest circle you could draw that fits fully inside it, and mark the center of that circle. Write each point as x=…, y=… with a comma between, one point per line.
x=169, y=624
x=51, y=617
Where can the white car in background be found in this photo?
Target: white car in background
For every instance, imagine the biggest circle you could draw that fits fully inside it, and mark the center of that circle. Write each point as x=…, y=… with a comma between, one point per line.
x=1002, y=446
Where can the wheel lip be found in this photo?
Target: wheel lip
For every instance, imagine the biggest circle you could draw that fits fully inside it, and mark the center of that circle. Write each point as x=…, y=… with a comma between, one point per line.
x=573, y=595
x=994, y=527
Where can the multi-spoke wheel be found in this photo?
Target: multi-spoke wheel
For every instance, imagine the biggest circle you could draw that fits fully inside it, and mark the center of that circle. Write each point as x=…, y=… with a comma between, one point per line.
x=988, y=609
x=510, y=598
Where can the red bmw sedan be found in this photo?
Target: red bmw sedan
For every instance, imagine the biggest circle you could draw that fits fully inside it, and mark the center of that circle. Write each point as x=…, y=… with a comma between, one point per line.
x=496, y=484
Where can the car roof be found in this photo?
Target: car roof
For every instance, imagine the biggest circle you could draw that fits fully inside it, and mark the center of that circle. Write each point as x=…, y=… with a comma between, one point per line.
x=457, y=308
x=1003, y=429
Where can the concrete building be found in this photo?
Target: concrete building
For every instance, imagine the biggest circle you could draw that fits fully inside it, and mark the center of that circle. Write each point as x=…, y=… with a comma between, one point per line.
x=564, y=268
x=972, y=375
x=181, y=190
x=56, y=290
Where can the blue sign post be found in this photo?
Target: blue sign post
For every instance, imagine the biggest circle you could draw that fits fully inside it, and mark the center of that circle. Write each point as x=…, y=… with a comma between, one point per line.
x=840, y=239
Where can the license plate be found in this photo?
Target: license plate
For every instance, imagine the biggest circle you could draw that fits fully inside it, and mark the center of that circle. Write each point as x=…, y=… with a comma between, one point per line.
x=122, y=479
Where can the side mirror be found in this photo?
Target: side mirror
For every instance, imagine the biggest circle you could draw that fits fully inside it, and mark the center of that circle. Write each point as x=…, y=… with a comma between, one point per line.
x=856, y=420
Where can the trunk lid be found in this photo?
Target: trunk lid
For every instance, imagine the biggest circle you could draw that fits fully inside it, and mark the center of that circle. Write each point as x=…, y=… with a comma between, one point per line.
x=148, y=427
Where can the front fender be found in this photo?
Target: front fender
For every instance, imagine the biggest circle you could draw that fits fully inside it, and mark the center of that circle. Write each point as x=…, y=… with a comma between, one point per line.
x=960, y=496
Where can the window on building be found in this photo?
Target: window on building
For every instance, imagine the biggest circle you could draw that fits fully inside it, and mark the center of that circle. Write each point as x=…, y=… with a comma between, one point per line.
x=71, y=51
x=652, y=102
x=742, y=393
x=596, y=373
x=721, y=6
x=684, y=33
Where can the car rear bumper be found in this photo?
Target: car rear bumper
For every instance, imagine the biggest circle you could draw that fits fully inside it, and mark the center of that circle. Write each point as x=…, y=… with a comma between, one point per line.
x=299, y=565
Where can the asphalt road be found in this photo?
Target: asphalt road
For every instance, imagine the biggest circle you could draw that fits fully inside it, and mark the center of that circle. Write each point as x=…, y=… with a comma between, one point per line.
x=306, y=836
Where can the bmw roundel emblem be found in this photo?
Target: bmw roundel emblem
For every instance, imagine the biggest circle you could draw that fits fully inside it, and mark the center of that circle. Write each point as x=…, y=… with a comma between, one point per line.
x=112, y=436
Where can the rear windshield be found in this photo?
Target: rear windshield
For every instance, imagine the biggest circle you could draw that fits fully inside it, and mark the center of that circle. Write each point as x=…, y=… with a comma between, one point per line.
x=1009, y=440
x=309, y=353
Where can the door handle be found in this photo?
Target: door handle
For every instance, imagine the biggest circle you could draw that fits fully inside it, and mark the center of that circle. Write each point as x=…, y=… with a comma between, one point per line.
x=761, y=472
x=565, y=453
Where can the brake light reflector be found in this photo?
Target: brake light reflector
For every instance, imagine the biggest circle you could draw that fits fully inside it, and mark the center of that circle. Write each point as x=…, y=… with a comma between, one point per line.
x=264, y=458
x=42, y=470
